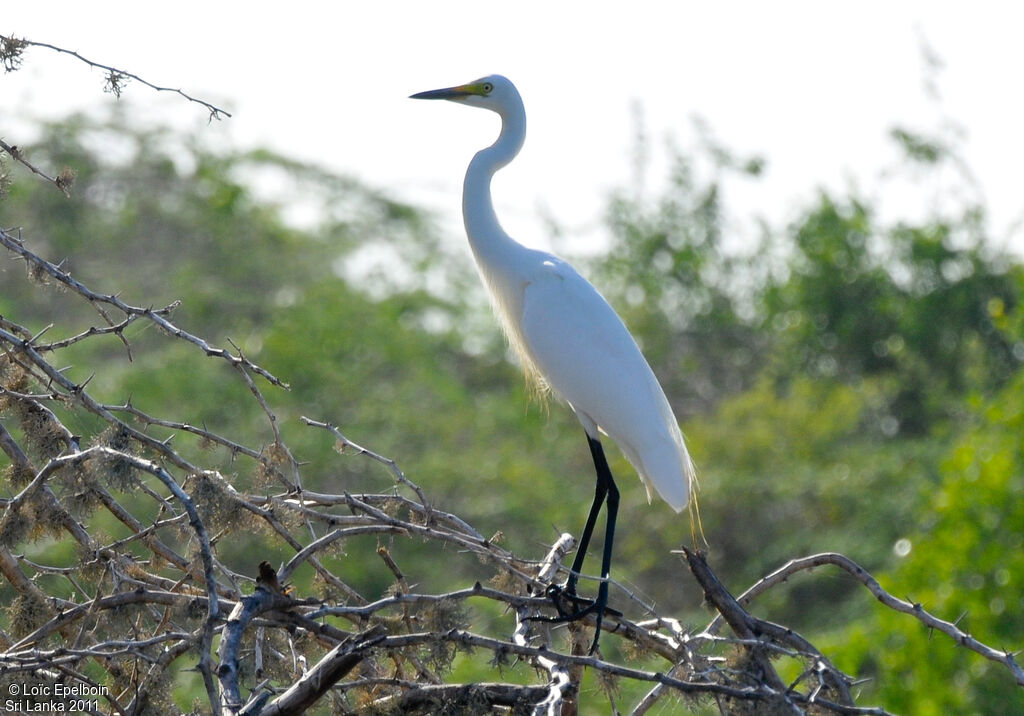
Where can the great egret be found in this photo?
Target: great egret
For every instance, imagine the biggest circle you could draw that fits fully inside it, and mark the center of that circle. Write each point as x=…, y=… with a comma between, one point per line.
x=569, y=339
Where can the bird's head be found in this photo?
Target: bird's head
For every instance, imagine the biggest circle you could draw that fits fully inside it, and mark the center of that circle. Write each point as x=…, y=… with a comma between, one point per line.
x=493, y=92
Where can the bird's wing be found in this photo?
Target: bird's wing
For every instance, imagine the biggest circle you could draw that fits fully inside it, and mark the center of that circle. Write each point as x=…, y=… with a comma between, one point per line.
x=588, y=357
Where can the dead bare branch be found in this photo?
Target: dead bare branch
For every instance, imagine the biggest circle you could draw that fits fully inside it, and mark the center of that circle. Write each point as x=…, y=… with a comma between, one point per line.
x=115, y=78
x=962, y=638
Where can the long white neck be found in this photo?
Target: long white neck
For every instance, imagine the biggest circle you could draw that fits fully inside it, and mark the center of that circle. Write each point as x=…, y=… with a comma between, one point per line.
x=486, y=237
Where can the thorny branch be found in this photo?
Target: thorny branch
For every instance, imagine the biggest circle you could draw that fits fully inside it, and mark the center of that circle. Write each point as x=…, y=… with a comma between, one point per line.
x=63, y=181
x=139, y=607
x=12, y=51
x=950, y=629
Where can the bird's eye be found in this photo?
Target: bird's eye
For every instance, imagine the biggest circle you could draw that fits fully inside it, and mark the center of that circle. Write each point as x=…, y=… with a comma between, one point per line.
x=488, y=87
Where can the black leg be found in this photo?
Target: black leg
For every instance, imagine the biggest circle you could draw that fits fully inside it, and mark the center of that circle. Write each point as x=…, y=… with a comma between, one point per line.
x=607, y=483
x=605, y=493
x=600, y=493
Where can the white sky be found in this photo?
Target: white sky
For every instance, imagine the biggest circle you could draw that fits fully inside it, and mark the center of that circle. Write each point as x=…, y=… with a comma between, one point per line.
x=811, y=86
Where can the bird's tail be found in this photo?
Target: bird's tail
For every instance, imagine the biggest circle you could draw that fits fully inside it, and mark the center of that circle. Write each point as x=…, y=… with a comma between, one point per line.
x=668, y=469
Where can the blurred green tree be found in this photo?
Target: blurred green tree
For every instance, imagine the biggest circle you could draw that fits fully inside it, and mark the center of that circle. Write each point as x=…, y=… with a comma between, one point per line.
x=822, y=376
x=963, y=560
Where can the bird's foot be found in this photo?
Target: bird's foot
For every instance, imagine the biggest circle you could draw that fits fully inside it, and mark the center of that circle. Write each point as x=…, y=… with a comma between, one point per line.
x=571, y=607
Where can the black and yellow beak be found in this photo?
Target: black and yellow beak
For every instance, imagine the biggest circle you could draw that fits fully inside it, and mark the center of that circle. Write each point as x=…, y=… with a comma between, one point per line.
x=455, y=93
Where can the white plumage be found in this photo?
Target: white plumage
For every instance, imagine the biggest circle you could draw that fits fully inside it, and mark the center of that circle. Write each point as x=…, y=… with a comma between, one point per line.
x=582, y=349
x=566, y=334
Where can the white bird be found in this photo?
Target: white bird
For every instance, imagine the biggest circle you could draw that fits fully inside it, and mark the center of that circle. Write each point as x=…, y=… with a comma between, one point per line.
x=569, y=339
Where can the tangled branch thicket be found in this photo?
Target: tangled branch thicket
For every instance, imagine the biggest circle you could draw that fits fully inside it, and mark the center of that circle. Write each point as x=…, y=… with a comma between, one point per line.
x=125, y=615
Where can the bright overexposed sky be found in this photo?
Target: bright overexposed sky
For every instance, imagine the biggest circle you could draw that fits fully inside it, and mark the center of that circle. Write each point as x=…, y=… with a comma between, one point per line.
x=811, y=86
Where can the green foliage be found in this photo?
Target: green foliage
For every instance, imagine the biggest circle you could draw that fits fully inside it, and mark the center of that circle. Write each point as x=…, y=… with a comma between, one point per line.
x=675, y=284
x=822, y=386
x=964, y=562
x=917, y=304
